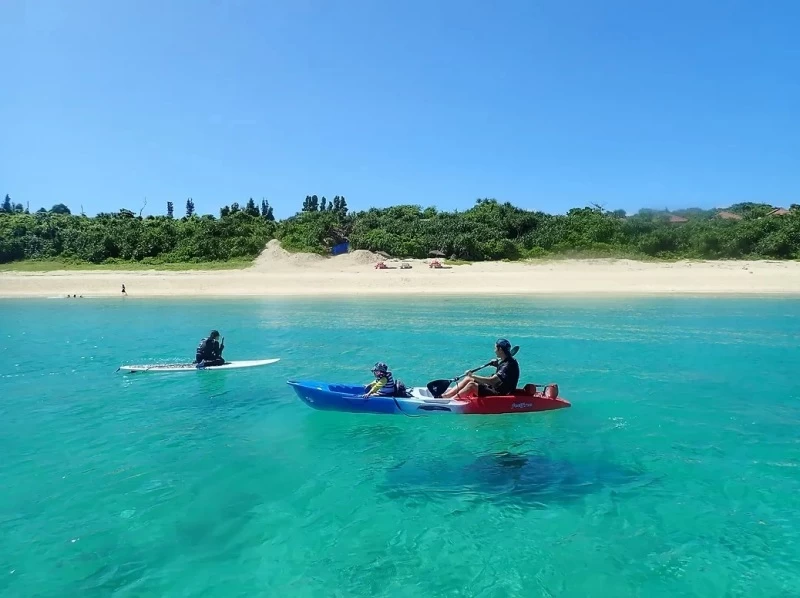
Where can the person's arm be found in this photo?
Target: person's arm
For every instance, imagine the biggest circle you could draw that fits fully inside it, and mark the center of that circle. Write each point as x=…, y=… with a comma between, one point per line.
x=490, y=380
x=495, y=378
x=377, y=385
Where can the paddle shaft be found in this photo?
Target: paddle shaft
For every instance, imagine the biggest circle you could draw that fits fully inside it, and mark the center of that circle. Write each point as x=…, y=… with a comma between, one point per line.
x=514, y=350
x=485, y=365
x=437, y=387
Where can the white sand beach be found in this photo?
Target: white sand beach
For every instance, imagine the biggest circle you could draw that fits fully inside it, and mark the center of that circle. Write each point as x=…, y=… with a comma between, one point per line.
x=279, y=273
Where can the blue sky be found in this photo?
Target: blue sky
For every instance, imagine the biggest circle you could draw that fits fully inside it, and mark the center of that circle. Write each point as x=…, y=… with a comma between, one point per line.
x=548, y=105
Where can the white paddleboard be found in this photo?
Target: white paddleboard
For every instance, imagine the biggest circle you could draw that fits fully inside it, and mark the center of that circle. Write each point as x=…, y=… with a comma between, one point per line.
x=191, y=367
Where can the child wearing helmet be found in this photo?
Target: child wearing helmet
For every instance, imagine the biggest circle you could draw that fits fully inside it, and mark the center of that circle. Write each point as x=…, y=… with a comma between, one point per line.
x=384, y=384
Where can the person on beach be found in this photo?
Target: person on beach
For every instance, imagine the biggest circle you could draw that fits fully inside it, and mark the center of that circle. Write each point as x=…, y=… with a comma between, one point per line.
x=209, y=351
x=123, y=290
x=384, y=384
x=502, y=382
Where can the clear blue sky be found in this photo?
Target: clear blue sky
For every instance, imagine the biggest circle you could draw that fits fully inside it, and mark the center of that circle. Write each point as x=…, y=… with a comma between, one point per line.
x=549, y=105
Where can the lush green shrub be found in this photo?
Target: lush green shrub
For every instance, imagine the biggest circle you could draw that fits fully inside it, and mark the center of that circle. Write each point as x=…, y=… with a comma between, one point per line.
x=487, y=231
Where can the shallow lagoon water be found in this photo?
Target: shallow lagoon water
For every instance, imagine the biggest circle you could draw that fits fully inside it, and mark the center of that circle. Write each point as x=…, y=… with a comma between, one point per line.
x=675, y=473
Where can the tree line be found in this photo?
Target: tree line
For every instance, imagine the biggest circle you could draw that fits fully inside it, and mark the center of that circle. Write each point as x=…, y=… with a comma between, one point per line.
x=489, y=230
x=239, y=233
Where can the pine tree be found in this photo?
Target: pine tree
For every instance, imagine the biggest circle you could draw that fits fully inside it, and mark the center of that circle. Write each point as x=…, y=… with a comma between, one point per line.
x=311, y=204
x=266, y=211
x=189, y=207
x=251, y=208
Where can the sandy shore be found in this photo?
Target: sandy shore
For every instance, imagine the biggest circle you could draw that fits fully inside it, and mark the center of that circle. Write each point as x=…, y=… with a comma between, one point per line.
x=278, y=273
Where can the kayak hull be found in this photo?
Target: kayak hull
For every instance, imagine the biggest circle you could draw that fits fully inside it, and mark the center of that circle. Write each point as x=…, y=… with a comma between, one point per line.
x=191, y=367
x=349, y=398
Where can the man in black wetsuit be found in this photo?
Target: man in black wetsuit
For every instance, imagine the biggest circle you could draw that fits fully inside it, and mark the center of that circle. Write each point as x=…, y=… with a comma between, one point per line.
x=502, y=382
x=209, y=351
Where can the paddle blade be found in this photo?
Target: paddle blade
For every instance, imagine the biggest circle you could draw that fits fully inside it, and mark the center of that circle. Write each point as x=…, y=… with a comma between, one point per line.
x=437, y=387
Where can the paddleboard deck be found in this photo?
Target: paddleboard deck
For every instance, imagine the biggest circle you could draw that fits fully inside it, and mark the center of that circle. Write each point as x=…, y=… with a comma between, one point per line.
x=191, y=367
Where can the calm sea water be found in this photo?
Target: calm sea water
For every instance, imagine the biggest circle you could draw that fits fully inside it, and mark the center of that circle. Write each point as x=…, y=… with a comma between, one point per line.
x=675, y=473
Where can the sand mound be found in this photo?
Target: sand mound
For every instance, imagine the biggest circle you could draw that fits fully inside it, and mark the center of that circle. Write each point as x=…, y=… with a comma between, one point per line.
x=276, y=257
x=359, y=257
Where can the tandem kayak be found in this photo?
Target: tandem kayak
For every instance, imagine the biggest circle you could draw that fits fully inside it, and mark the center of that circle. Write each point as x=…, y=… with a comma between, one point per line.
x=349, y=398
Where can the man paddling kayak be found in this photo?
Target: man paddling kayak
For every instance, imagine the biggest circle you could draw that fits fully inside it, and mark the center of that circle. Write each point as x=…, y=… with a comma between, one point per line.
x=209, y=351
x=502, y=382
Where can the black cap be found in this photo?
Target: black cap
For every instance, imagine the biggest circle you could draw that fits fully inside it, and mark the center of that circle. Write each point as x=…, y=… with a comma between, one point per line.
x=504, y=345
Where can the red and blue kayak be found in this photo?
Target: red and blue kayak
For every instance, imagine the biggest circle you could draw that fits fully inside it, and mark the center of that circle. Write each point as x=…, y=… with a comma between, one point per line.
x=349, y=398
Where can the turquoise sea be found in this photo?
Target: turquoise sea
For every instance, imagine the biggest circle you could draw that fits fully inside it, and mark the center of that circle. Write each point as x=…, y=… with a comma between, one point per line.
x=675, y=472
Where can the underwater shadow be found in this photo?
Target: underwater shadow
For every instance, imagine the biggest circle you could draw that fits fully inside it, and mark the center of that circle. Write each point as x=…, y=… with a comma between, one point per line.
x=507, y=478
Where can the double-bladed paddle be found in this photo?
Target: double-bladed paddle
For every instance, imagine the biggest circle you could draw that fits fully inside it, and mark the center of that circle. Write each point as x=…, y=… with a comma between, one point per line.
x=437, y=387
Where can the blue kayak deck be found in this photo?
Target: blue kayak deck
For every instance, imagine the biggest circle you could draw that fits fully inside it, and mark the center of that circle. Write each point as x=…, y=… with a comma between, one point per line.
x=341, y=397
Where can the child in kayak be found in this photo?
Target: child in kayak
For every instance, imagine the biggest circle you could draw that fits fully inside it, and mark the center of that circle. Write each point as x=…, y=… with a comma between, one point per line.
x=384, y=384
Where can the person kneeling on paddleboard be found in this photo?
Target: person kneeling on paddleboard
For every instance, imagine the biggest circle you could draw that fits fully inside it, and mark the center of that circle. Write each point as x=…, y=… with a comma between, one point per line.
x=209, y=351
x=384, y=384
x=502, y=382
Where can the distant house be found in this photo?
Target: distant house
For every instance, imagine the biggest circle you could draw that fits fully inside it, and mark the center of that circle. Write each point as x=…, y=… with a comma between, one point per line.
x=728, y=215
x=678, y=219
x=779, y=212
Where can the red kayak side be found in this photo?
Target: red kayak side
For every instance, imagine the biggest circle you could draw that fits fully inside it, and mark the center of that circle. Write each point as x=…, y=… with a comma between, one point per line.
x=523, y=400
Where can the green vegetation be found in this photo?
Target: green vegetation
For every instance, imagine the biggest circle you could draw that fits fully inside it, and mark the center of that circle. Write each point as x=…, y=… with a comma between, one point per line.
x=494, y=231
x=122, y=238
x=489, y=230
x=53, y=265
